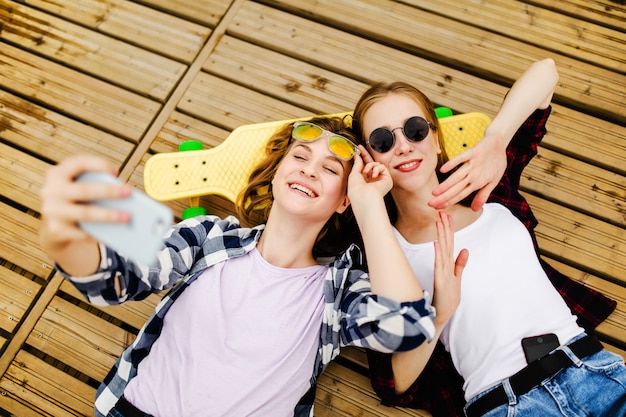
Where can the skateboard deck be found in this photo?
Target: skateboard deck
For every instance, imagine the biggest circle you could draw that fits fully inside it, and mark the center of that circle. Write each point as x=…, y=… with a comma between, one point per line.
x=224, y=169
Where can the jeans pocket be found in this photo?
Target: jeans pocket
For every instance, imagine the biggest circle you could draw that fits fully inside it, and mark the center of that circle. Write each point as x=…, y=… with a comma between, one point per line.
x=605, y=362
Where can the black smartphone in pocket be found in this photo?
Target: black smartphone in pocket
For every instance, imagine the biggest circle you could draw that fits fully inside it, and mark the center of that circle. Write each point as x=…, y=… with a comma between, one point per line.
x=536, y=347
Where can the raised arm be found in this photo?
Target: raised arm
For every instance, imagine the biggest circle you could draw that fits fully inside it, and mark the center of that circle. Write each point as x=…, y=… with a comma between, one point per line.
x=63, y=207
x=407, y=366
x=390, y=273
x=484, y=164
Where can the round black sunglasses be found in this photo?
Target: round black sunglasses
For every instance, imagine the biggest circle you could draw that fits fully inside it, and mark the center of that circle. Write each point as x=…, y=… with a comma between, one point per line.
x=415, y=129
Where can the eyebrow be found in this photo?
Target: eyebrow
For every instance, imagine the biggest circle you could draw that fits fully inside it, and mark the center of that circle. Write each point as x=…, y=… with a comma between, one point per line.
x=330, y=157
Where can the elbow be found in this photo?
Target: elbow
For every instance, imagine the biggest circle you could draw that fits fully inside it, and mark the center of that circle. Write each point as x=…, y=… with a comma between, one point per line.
x=554, y=73
x=550, y=74
x=549, y=70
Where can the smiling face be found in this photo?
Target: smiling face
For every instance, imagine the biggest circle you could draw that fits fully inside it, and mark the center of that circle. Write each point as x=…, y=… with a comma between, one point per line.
x=310, y=181
x=302, y=185
x=412, y=165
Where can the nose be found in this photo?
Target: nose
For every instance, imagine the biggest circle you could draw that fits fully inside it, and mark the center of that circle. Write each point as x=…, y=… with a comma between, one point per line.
x=309, y=170
x=402, y=144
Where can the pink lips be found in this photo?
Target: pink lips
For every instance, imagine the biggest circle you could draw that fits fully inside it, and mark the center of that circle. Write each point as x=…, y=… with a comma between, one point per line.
x=408, y=166
x=303, y=189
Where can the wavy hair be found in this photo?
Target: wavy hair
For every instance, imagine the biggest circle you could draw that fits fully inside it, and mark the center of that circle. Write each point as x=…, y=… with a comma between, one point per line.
x=255, y=201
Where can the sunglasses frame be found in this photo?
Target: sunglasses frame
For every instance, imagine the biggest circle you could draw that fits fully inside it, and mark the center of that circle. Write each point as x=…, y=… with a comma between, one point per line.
x=329, y=135
x=402, y=128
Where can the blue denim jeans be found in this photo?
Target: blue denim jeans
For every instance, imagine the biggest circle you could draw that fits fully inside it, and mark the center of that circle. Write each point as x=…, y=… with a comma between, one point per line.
x=594, y=386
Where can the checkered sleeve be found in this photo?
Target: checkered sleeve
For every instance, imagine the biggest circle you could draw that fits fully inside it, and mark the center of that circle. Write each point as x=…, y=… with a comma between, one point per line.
x=379, y=323
x=188, y=245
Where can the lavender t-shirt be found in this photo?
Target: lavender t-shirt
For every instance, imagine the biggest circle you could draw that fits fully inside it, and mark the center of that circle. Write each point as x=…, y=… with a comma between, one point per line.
x=240, y=341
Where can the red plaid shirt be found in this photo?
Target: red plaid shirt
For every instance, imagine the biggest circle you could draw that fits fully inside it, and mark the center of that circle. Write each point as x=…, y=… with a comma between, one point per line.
x=439, y=389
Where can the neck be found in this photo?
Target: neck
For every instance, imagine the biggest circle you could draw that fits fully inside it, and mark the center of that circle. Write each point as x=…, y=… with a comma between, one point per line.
x=288, y=244
x=417, y=220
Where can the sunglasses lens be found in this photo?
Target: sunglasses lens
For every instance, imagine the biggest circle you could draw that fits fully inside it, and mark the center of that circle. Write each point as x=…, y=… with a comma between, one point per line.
x=307, y=132
x=342, y=147
x=416, y=129
x=381, y=140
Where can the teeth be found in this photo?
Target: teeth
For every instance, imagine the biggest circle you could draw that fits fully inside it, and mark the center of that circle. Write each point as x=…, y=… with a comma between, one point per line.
x=303, y=189
x=408, y=165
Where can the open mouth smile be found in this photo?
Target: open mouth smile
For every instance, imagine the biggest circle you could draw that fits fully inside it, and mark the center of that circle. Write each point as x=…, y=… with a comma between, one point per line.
x=303, y=189
x=408, y=166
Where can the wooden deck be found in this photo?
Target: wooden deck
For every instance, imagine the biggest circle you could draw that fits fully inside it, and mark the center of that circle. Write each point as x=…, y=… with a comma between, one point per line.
x=126, y=79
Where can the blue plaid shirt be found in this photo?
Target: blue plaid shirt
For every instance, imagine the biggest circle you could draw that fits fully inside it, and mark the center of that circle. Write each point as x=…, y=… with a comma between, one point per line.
x=353, y=315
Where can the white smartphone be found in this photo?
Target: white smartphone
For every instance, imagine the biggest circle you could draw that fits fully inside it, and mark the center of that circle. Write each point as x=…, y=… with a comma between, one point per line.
x=142, y=237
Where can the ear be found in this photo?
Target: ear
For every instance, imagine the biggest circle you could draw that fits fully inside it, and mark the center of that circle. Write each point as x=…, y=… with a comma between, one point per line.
x=344, y=205
x=437, y=143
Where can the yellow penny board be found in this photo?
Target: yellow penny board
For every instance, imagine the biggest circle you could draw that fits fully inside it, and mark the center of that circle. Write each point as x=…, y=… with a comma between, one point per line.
x=224, y=169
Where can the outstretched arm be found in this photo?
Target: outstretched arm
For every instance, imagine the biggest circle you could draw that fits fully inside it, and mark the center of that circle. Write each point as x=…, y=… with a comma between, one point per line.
x=482, y=167
x=63, y=207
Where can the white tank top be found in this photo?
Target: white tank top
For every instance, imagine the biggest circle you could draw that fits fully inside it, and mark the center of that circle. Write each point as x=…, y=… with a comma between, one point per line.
x=505, y=296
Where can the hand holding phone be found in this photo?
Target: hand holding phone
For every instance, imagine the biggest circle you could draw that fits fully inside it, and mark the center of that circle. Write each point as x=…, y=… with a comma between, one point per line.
x=142, y=237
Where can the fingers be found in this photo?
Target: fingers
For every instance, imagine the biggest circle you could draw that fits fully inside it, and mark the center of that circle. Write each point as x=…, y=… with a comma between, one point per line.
x=76, y=165
x=443, y=229
x=481, y=197
x=367, y=157
x=376, y=169
x=63, y=200
x=458, y=177
x=461, y=262
x=456, y=161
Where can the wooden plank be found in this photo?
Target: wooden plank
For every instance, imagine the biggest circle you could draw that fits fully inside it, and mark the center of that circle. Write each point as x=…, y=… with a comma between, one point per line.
x=441, y=39
x=181, y=127
x=603, y=12
x=79, y=338
x=21, y=177
x=343, y=392
x=355, y=355
x=207, y=12
x=579, y=135
x=614, y=349
x=570, y=130
x=85, y=98
x=228, y=105
x=32, y=387
x=290, y=80
x=101, y=56
x=20, y=232
x=133, y=23
x=343, y=53
x=586, y=243
x=547, y=29
x=17, y=293
x=33, y=127
x=575, y=184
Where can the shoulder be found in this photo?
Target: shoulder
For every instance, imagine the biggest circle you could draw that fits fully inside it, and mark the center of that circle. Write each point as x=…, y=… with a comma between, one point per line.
x=351, y=259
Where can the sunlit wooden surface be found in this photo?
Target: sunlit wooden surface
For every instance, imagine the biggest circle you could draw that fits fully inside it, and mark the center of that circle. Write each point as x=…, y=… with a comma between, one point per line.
x=126, y=79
